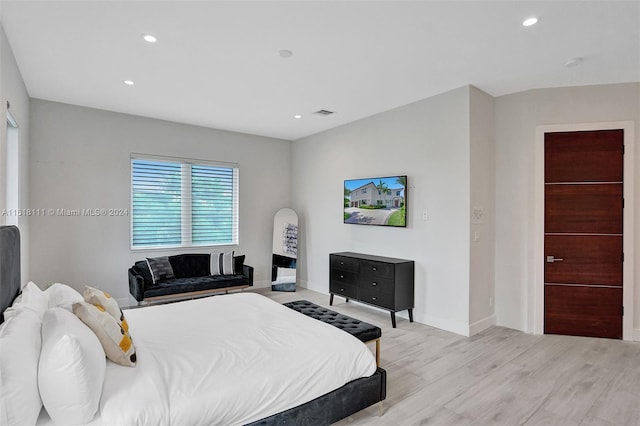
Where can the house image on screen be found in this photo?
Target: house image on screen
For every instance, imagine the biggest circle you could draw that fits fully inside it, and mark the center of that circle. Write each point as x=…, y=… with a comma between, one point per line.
x=370, y=194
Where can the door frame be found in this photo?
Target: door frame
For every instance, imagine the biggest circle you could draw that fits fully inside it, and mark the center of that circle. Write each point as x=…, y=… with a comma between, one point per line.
x=536, y=308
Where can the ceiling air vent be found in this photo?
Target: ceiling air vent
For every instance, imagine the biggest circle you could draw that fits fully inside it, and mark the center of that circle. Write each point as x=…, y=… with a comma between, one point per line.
x=323, y=112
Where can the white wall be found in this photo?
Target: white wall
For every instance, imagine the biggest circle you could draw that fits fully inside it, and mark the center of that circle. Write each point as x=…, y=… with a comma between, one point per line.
x=429, y=142
x=80, y=158
x=517, y=116
x=12, y=89
x=482, y=158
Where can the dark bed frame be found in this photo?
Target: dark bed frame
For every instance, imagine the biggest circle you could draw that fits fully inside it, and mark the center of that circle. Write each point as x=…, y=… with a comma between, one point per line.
x=324, y=410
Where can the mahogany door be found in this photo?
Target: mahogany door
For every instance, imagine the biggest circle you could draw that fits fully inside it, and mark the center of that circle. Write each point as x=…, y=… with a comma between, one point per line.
x=583, y=233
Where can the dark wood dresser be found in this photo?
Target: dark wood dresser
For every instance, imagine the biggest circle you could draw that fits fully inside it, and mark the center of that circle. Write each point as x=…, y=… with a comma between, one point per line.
x=384, y=282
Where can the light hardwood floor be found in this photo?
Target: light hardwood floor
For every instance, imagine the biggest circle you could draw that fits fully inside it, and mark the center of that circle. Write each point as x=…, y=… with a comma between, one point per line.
x=497, y=377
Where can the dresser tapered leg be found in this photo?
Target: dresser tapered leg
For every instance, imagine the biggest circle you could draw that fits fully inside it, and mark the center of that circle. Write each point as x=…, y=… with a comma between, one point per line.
x=331, y=299
x=393, y=319
x=410, y=315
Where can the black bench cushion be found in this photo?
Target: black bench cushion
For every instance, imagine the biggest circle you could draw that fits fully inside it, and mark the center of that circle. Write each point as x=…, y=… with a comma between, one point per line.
x=360, y=329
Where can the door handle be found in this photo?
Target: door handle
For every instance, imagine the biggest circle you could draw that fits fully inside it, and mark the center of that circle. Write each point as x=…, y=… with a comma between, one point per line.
x=552, y=259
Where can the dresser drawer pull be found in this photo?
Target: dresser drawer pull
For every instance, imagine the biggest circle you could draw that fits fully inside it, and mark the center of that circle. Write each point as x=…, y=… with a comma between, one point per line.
x=374, y=284
x=374, y=298
x=342, y=289
x=374, y=268
x=342, y=263
x=341, y=276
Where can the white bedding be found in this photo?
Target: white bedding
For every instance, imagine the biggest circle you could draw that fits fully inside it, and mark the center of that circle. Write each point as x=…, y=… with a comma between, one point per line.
x=226, y=360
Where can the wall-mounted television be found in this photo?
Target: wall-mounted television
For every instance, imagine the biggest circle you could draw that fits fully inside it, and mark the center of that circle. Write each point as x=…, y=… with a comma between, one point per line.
x=376, y=201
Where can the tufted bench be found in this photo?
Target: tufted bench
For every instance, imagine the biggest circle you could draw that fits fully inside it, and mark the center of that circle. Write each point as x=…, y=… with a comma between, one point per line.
x=363, y=331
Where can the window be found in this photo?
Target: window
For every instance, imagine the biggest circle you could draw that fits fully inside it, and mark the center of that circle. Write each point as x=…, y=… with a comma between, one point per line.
x=182, y=203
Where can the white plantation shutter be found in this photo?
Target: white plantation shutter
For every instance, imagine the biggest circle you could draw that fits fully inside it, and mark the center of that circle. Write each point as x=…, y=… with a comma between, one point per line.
x=183, y=203
x=214, y=204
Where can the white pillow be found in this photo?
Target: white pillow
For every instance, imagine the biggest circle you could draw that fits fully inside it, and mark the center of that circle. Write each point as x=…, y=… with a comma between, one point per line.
x=20, y=402
x=71, y=370
x=31, y=298
x=63, y=296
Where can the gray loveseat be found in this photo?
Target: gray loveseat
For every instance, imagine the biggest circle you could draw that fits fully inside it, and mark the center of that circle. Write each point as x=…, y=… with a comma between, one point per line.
x=192, y=277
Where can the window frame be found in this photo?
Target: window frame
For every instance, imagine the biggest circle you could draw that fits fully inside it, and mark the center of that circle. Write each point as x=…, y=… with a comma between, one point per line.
x=186, y=206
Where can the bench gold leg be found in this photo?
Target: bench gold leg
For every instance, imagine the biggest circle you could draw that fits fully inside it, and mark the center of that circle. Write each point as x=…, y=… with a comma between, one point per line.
x=377, y=350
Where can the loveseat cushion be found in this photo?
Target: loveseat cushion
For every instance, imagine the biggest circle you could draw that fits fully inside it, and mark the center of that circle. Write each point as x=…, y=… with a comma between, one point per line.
x=238, y=263
x=141, y=268
x=222, y=263
x=186, y=285
x=160, y=268
x=190, y=265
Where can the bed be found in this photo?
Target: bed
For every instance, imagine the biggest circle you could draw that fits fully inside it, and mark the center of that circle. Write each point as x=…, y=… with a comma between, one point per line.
x=232, y=359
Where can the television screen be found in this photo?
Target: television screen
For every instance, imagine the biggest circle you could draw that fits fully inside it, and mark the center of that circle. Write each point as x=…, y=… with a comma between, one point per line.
x=376, y=201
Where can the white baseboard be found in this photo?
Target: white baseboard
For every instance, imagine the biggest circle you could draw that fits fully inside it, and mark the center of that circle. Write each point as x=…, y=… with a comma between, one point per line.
x=482, y=325
x=443, y=324
x=636, y=334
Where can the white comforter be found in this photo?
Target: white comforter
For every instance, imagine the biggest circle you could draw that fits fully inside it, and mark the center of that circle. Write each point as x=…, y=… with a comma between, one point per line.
x=227, y=360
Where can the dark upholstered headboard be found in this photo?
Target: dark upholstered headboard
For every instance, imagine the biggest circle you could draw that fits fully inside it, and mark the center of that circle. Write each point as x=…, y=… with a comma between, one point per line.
x=9, y=266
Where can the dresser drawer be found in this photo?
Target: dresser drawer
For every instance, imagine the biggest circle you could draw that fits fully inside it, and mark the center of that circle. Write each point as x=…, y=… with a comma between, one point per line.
x=376, y=269
x=344, y=290
x=347, y=277
x=376, y=293
x=344, y=263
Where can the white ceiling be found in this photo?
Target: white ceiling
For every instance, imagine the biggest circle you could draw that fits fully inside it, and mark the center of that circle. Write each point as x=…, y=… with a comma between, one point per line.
x=217, y=65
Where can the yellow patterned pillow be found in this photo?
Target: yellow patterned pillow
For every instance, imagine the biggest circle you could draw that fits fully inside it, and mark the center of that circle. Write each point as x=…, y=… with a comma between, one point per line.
x=112, y=334
x=104, y=299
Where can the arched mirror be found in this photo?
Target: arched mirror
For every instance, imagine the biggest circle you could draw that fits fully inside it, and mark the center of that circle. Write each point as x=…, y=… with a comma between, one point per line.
x=285, y=250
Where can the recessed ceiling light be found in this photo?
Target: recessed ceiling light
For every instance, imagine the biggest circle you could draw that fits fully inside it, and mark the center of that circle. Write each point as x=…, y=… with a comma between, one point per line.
x=284, y=53
x=297, y=116
x=529, y=22
x=129, y=82
x=573, y=62
x=150, y=38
